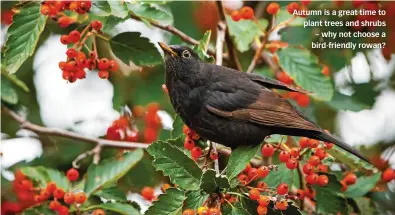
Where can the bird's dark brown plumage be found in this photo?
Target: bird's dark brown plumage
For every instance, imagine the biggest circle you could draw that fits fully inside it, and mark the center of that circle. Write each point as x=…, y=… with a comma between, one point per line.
x=231, y=107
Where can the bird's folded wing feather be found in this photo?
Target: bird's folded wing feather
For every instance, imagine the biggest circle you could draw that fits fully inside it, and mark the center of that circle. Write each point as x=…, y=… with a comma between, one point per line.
x=271, y=83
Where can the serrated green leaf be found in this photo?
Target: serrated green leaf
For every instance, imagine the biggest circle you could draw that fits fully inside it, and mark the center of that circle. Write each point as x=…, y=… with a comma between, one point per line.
x=349, y=159
x=201, y=49
x=100, y=8
x=195, y=199
x=178, y=125
x=169, y=203
x=120, y=208
x=112, y=193
x=238, y=160
x=8, y=93
x=110, y=170
x=23, y=35
x=150, y=12
x=304, y=69
x=329, y=199
x=344, y=102
x=282, y=15
x=58, y=177
x=244, y=32
x=130, y=46
x=110, y=22
x=37, y=174
x=40, y=209
x=282, y=175
x=365, y=206
x=363, y=185
x=276, y=139
x=181, y=170
x=237, y=209
x=210, y=182
x=119, y=8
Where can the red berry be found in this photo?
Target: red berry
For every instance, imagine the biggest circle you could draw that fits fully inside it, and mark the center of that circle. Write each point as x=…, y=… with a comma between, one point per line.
x=267, y=150
x=322, y=180
x=214, y=211
x=350, y=178
x=113, y=66
x=292, y=163
x=242, y=178
x=264, y=201
x=308, y=169
x=273, y=8
x=262, y=171
x=284, y=156
x=148, y=193
x=300, y=194
x=103, y=64
x=63, y=210
x=284, y=77
x=196, y=152
x=328, y=145
x=247, y=12
x=72, y=174
x=51, y=186
x=325, y=70
x=304, y=142
x=247, y=168
x=103, y=74
x=305, y=2
x=74, y=36
x=282, y=205
x=313, y=143
x=69, y=198
x=80, y=197
x=236, y=16
x=295, y=152
x=58, y=193
x=314, y=160
x=26, y=185
x=189, y=144
x=65, y=21
x=291, y=7
x=261, y=184
x=213, y=155
x=320, y=153
x=65, y=40
x=54, y=205
x=71, y=53
x=388, y=175
x=312, y=178
x=322, y=168
x=44, y=10
x=303, y=100
x=344, y=186
x=282, y=189
x=261, y=210
x=188, y=212
x=252, y=173
x=96, y=25
x=254, y=194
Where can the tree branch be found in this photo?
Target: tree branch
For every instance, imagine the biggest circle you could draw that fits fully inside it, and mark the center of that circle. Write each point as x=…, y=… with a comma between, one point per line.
x=229, y=43
x=69, y=134
x=221, y=28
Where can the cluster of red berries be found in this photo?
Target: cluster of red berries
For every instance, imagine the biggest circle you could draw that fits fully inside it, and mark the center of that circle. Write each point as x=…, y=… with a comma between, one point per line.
x=388, y=175
x=291, y=7
x=55, y=8
x=245, y=12
x=77, y=61
x=301, y=99
x=263, y=200
x=250, y=174
x=122, y=130
x=202, y=211
x=189, y=144
x=152, y=123
x=148, y=193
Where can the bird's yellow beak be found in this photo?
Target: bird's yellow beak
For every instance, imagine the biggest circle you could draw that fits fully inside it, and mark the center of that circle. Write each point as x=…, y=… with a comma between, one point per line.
x=167, y=49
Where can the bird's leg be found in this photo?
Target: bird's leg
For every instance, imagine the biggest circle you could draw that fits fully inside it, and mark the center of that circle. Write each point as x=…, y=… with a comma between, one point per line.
x=207, y=155
x=216, y=165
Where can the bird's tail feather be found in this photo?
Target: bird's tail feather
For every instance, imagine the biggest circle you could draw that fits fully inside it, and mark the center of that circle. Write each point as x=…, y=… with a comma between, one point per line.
x=333, y=139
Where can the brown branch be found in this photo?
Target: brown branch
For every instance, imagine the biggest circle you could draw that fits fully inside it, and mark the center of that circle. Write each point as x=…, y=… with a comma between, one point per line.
x=221, y=28
x=69, y=134
x=229, y=43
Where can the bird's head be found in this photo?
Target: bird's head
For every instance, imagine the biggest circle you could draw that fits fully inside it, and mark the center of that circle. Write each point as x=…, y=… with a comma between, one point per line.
x=180, y=60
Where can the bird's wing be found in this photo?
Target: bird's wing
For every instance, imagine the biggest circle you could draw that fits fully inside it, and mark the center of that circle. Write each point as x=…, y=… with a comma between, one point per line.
x=271, y=83
x=268, y=110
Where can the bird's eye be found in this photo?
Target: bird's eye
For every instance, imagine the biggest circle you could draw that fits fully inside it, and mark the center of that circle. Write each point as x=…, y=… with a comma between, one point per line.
x=186, y=54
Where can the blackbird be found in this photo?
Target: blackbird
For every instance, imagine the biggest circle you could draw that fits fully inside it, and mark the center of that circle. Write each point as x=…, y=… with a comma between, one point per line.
x=234, y=108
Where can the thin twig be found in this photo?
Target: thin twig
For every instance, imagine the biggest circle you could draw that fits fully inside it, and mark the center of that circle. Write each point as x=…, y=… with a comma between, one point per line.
x=229, y=43
x=84, y=155
x=301, y=184
x=221, y=28
x=69, y=134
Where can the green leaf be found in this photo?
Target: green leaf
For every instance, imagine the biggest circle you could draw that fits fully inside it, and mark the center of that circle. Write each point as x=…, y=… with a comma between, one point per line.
x=344, y=102
x=181, y=170
x=195, y=199
x=304, y=69
x=169, y=203
x=120, y=208
x=329, y=199
x=237, y=209
x=201, y=49
x=37, y=174
x=238, y=160
x=23, y=35
x=110, y=22
x=150, y=12
x=39, y=209
x=276, y=139
x=210, y=182
x=349, y=159
x=15, y=80
x=365, y=206
x=282, y=175
x=178, y=125
x=58, y=177
x=118, y=8
x=130, y=46
x=363, y=186
x=112, y=193
x=100, y=8
x=110, y=170
x=365, y=93
x=244, y=32
x=8, y=93
x=282, y=15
